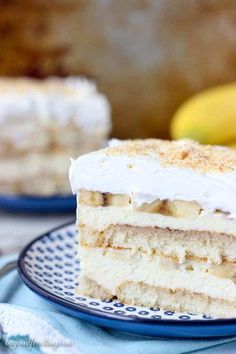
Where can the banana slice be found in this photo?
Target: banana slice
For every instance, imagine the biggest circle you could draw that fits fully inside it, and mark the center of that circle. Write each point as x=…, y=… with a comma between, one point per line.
x=154, y=207
x=120, y=200
x=183, y=209
x=90, y=198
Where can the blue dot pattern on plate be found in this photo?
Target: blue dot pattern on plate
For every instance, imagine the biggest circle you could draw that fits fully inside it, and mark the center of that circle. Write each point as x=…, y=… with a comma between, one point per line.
x=52, y=264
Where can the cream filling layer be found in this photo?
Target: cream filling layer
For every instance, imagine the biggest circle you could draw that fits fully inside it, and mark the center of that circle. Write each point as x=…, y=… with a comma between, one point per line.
x=100, y=218
x=110, y=268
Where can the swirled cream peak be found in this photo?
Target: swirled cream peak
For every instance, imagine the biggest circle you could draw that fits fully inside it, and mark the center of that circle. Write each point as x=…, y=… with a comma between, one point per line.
x=157, y=169
x=72, y=99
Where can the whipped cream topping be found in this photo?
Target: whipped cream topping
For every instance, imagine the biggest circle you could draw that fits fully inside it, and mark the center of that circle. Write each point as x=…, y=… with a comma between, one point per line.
x=146, y=180
x=54, y=99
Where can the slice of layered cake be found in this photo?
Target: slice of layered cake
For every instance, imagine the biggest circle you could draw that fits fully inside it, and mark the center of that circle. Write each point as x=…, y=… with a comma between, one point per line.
x=157, y=225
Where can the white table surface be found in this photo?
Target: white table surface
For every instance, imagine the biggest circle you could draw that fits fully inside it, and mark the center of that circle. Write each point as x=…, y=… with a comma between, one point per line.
x=16, y=230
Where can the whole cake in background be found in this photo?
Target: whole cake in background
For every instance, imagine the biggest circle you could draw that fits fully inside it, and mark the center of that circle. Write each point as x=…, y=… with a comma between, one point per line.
x=157, y=225
x=42, y=124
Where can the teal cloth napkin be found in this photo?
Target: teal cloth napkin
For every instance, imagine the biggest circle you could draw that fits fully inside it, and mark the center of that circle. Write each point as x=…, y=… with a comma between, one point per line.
x=31, y=314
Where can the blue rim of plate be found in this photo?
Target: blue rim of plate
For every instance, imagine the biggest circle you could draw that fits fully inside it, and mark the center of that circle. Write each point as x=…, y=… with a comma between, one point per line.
x=52, y=298
x=32, y=204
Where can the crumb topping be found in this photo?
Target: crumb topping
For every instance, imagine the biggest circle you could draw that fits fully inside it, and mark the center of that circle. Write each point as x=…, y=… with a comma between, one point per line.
x=179, y=153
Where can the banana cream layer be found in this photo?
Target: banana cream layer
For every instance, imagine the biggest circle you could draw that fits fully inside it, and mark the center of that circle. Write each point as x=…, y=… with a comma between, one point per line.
x=100, y=218
x=180, y=229
x=111, y=268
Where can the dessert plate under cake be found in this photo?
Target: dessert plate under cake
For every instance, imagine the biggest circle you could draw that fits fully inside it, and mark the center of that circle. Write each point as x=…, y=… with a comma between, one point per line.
x=49, y=266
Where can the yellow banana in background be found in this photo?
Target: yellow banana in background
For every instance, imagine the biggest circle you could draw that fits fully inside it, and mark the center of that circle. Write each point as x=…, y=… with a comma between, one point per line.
x=208, y=117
